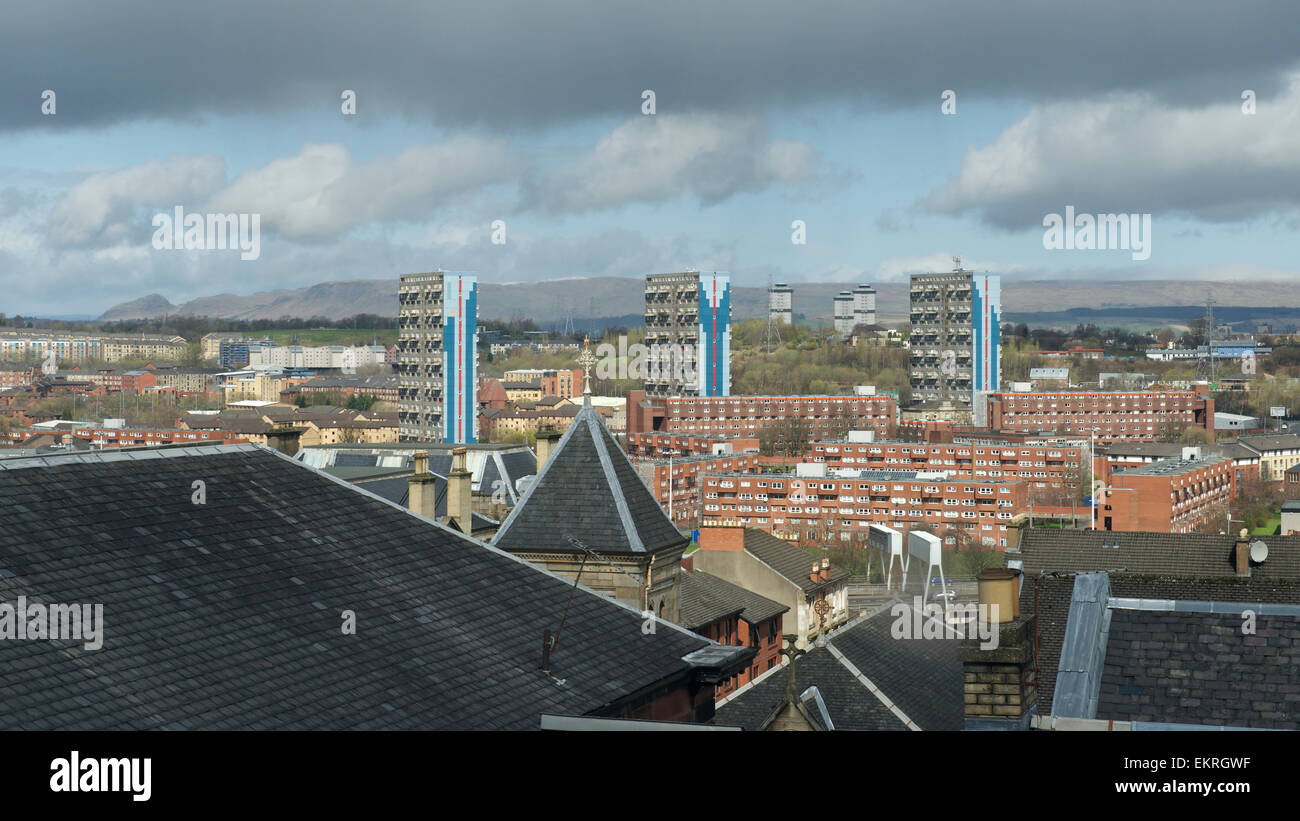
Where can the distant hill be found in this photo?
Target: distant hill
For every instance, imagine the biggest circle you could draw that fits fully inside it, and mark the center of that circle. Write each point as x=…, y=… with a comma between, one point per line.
x=613, y=300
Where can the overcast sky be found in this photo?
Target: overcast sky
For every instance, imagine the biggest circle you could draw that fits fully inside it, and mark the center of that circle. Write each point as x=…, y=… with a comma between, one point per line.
x=531, y=113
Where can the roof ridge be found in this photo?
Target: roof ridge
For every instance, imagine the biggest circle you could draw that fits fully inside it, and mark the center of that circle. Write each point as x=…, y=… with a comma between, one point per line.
x=616, y=487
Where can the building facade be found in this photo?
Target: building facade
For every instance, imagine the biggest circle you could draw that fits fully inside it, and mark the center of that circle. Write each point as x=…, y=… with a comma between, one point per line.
x=780, y=303
x=738, y=416
x=956, y=336
x=864, y=305
x=1116, y=415
x=688, y=329
x=839, y=507
x=438, y=357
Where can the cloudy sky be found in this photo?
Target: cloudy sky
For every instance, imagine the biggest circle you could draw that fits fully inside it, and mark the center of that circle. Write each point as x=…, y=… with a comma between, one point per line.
x=829, y=112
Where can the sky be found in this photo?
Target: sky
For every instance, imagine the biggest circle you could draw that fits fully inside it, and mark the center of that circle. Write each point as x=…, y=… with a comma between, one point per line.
x=898, y=134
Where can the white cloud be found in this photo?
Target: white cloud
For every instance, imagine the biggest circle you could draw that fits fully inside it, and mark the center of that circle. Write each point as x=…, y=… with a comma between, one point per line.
x=660, y=157
x=1129, y=154
x=97, y=210
x=322, y=193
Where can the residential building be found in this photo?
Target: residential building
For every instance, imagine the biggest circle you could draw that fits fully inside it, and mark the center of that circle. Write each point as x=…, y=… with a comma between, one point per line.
x=563, y=383
x=1056, y=465
x=780, y=303
x=235, y=610
x=1277, y=453
x=819, y=507
x=70, y=346
x=383, y=388
x=438, y=358
x=777, y=570
x=652, y=444
x=676, y=482
x=688, y=329
x=843, y=314
x=1116, y=416
x=864, y=305
x=745, y=416
x=955, y=339
x=731, y=615
x=1175, y=495
x=321, y=357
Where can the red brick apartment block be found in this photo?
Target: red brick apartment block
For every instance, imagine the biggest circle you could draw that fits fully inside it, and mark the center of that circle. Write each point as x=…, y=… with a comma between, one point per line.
x=1169, y=496
x=739, y=416
x=1118, y=415
x=660, y=444
x=685, y=485
x=817, y=509
x=1040, y=465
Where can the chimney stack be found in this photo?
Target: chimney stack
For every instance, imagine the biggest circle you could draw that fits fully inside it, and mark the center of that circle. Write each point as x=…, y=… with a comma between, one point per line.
x=284, y=438
x=422, y=488
x=815, y=575
x=826, y=570
x=1241, y=554
x=460, y=501
x=546, y=440
x=1001, y=680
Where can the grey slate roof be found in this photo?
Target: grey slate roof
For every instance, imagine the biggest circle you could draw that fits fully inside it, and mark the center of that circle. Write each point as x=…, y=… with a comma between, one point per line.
x=1185, y=554
x=1201, y=669
x=226, y=615
x=703, y=598
x=1270, y=442
x=792, y=562
x=588, y=490
x=850, y=705
x=1050, y=596
x=921, y=677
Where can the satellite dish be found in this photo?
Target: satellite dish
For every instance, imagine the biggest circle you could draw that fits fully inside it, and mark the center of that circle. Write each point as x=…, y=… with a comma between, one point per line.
x=1258, y=551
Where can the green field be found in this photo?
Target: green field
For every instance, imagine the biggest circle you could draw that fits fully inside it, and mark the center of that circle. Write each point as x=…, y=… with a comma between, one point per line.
x=312, y=337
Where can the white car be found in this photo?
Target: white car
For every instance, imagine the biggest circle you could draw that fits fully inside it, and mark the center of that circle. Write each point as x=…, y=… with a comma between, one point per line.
x=949, y=595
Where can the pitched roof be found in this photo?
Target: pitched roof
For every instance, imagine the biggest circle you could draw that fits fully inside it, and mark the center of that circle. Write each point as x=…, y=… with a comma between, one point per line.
x=703, y=598
x=1050, y=595
x=1193, y=555
x=792, y=562
x=1201, y=670
x=589, y=491
x=1269, y=442
x=909, y=682
x=226, y=614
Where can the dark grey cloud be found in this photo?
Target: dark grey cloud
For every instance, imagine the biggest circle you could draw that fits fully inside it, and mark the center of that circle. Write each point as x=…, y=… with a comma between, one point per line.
x=521, y=64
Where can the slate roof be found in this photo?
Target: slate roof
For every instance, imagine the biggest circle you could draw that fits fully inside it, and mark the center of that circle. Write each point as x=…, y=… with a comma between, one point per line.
x=703, y=598
x=790, y=561
x=921, y=678
x=1201, y=669
x=588, y=490
x=1185, y=554
x=1054, y=593
x=1270, y=442
x=850, y=706
x=226, y=615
